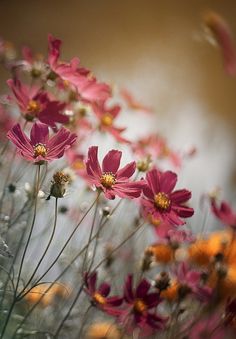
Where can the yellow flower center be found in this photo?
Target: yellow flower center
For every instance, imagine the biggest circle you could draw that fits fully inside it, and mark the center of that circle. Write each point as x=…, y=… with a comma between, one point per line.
x=162, y=201
x=98, y=298
x=33, y=106
x=108, y=179
x=40, y=150
x=107, y=119
x=140, y=306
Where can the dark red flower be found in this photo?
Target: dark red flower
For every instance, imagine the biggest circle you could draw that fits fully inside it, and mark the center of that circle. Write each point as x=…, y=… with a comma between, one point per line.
x=140, y=308
x=160, y=203
x=110, y=179
x=99, y=295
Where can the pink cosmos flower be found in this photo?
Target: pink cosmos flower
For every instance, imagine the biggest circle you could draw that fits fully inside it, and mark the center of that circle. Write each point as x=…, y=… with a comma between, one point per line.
x=39, y=147
x=190, y=283
x=225, y=213
x=89, y=90
x=156, y=146
x=160, y=203
x=223, y=35
x=34, y=103
x=140, y=310
x=106, y=118
x=110, y=179
x=99, y=296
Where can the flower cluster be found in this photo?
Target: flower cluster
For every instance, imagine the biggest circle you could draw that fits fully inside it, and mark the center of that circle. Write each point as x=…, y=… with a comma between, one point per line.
x=144, y=270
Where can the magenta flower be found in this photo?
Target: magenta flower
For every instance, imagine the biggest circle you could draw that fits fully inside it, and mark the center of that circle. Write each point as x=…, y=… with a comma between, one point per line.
x=34, y=103
x=160, y=203
x=225, y=213
x=140, y=308
x=191, y=283
x=99, y=296
x=111, y=180
x=89, y=90
x=39, y=147
x=106, y=118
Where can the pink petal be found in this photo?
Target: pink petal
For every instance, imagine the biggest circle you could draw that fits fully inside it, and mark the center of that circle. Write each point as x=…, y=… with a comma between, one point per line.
x=111, y=161
x=127, y=171
x=39, y=133
x=168, y=181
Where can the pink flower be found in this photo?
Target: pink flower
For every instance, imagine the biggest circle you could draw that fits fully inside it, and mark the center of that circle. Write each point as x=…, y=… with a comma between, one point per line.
x=140, y=310
x=99, y=296
x=106, y=118
x=225, y=213
x=39, y=147
x=34, y=103
x=111, y=180
x=156, y=146
x=223, y=35
x=190, y=282
x=89, y=90
x=160, y=203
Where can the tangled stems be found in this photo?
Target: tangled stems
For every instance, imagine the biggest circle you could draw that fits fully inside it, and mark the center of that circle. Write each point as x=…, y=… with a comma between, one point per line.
x=37, y=184
x=95, y=236
x=21, y=294
x=99, y=264
x=66, y=243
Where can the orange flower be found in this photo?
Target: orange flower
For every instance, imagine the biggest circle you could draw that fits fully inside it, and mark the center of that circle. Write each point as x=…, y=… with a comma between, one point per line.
x=225, y=285
x=203, y=251
x=171, y=293
x=57, y=290
x=162, y=253
x=103, y=330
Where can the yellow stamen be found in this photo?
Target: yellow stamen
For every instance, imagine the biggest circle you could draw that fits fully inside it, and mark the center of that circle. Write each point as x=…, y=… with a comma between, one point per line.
x=108, y=179
x=140, y=306
x=40, y=150
x=162, y=201
x=99, y=298
x=107, y=119
x=33, y=106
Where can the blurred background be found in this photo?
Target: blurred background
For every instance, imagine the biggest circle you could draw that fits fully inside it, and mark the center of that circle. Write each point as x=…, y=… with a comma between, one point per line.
x=158, y=50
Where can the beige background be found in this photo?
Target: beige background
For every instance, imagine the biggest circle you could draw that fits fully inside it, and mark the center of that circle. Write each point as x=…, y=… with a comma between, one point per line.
x=157, y=49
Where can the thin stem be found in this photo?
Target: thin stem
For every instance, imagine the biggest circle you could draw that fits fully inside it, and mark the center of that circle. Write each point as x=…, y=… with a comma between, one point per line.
x=83, y=321
x=91, y=232
x=32, y=226
x=69, y=311
x=67, y=241
x=24, y=253
x=63, y=272
x=22, y=294
x=117, y=247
